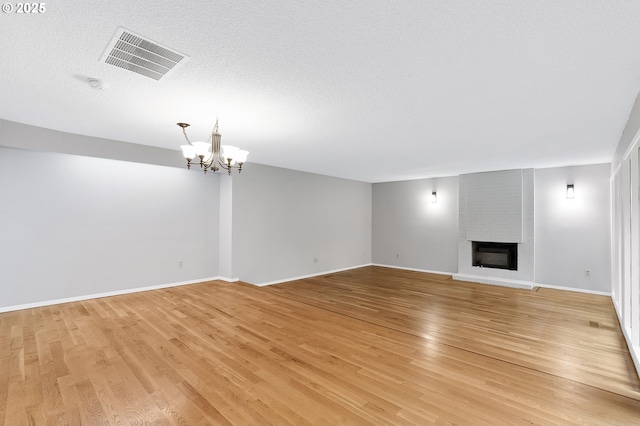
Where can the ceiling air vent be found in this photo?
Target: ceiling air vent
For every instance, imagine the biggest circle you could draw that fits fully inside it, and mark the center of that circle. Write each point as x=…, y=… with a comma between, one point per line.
x=134, y=53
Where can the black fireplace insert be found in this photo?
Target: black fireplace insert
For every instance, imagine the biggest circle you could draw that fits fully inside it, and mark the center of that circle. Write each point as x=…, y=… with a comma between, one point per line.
x=495, y=255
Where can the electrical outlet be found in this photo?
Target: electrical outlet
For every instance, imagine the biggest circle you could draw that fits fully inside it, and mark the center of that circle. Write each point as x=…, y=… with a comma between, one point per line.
x=587, y=272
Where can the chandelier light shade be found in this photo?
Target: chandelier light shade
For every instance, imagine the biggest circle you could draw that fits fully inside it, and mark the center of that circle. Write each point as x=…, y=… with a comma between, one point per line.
x=211, y=155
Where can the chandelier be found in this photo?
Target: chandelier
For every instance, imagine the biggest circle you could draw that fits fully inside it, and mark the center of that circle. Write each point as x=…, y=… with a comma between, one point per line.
x=212, y=155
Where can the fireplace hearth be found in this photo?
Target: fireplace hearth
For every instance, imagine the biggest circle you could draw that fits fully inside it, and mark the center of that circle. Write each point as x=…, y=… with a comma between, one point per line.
x=495, y=255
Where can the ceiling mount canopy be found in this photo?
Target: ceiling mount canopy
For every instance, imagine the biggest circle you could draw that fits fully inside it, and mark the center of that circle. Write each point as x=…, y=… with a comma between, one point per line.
x=211, y=154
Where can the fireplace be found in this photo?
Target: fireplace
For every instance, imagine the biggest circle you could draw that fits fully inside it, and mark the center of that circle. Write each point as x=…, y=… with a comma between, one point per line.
x=495, y=255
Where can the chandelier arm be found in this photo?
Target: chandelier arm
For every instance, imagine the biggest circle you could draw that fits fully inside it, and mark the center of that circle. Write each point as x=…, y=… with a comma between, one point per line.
x=223, y=164
x=227, y=166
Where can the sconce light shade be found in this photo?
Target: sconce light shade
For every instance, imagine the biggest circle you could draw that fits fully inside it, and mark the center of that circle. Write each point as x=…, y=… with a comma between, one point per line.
x=434, y=197
x=570, y=192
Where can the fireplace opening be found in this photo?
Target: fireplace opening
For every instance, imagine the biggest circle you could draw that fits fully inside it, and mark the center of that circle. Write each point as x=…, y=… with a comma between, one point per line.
x=495, y=255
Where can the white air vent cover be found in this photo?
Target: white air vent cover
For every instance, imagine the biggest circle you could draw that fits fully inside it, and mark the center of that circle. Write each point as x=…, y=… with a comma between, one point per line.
x=133, y=52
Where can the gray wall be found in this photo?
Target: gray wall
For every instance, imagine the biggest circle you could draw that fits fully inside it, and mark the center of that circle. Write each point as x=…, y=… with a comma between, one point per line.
x=284, y=220
x=80, y=225
x=628, y=134
x=573, y=235
x=411, y=232
x=73, y=226
x=570, y=235
x=23, y=136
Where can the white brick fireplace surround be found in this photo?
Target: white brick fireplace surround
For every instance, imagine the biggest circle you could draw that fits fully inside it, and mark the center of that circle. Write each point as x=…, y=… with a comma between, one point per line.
x=497, y=207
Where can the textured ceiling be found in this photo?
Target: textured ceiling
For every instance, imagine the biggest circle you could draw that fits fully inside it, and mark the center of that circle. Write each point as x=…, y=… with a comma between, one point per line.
x=372, y=90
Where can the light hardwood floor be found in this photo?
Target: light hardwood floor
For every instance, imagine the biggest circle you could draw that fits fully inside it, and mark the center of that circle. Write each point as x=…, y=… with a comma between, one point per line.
x=367, y=346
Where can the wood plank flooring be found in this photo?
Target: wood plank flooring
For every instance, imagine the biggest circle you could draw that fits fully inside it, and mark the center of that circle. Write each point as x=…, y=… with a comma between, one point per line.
x=367, y=346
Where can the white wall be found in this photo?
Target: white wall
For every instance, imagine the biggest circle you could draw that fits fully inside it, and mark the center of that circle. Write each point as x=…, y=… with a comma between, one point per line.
x=284, y=219
x=573, y=235
x=73, y=226
x=411, y=232
x=494, y=202
x=225, y=258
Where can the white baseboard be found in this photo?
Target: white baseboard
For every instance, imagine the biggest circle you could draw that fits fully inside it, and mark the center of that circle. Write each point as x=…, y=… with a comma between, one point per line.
x=577, y=290
x=633, y=350
x=286, y=280
x=109, y=293
x=412, y=269
x=503, y=282
x=527, y=285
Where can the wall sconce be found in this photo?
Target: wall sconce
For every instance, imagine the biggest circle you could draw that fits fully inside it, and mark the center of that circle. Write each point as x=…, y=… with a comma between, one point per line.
x=434, y=197
x=570, y=192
